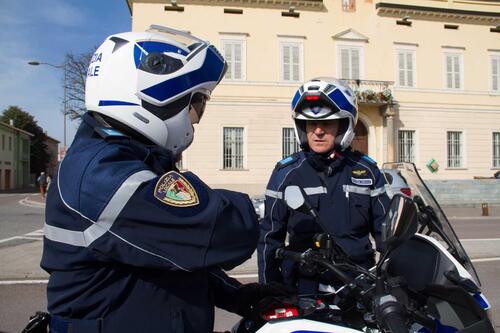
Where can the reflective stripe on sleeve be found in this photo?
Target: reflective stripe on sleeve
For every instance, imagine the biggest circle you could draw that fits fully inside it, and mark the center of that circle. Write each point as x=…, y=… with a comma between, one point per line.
x=307, y=190
x=107, y=217
x=363, y=190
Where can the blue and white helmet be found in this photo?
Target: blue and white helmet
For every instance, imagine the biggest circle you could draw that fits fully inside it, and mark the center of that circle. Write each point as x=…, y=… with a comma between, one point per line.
x=155, y=83
x=325, y=99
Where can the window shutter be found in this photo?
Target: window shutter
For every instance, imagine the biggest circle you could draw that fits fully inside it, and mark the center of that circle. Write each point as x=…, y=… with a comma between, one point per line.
x=237, y=62
x=295, y=63
x=409, y=65
x=401, y=69
x=354, y=64
x=344, y=63
x=286, y=63
x=228, y=57
x=495, y=73
x=449, y=75
x=456, y=69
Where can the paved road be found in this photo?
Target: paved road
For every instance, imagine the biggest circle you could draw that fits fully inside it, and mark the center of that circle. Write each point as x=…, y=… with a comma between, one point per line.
x=21, y=222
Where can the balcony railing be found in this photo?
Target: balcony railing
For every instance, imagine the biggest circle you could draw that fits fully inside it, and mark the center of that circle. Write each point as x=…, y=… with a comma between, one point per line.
x=372, y=91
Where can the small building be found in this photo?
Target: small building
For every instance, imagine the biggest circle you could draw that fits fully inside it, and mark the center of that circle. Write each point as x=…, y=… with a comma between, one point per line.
x=53, y=151
x=14, y=157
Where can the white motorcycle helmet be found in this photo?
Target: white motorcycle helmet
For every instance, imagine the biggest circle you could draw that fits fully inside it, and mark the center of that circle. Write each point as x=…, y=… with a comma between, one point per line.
x=155, y=83
x=325, y=99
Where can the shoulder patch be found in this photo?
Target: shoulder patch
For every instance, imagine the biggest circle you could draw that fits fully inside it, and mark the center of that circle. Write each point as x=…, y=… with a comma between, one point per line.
x=175, y=190
x=287, y=161
x=369, y=159
x=108, y=133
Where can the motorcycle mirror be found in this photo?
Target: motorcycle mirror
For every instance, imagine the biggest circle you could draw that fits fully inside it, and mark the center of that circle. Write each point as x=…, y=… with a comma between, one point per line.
x=400, y=222
x=294, y=197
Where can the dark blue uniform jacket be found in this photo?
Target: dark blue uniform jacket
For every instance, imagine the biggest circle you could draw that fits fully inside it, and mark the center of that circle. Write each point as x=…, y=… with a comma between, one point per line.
x=132, y=245
x=349, y=194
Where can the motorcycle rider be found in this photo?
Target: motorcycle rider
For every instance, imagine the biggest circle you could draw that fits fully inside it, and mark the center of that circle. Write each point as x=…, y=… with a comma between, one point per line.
x=344, y=186
x=131, y=244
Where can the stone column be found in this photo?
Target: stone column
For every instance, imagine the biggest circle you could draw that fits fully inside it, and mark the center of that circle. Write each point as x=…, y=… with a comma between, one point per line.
x=389, y=112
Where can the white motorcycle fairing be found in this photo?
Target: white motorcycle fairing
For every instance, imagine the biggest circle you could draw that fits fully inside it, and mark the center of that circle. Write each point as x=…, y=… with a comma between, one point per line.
x=303, y=326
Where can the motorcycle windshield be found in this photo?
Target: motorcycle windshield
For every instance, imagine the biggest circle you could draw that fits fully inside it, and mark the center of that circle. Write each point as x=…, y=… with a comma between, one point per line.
x=399, y=174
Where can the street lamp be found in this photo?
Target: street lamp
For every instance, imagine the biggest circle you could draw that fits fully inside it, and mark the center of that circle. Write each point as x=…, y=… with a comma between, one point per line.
x=65, y=110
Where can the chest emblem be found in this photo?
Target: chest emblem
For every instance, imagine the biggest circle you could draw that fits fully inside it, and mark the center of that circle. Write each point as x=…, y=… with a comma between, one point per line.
x=362, y=181
x=175, y=190
x=359, y=172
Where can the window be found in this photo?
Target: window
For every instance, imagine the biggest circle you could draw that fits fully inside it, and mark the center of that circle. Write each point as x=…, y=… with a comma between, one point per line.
x=406, y=144
x=3, y=141
x=291, y=61
x=10, y=143
x=496, y=149
x=455, y=149
x=495, y=72
x=406, y=68
x=350, y=62
x=453, y=70
x=289, y=142
x=233, y=148
x=235, y=55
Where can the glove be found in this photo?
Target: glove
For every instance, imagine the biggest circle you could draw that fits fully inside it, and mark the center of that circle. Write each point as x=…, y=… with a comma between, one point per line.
x=249, y=298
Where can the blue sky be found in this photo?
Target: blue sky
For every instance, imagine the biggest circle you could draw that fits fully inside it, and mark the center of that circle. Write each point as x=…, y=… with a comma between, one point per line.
x=45, y=30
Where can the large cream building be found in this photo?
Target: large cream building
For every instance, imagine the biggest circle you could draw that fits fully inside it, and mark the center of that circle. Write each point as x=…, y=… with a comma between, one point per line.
x=427, y=75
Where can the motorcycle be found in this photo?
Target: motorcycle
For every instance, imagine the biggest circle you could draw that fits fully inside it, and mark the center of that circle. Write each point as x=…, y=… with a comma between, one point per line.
x=423, y=282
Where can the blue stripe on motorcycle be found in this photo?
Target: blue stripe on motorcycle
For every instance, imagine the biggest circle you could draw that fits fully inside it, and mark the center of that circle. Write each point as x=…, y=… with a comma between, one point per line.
x=481, y=300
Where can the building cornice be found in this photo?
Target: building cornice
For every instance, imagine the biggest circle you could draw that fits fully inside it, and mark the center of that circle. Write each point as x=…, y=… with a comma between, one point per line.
x=279, y=4
x=445, y=14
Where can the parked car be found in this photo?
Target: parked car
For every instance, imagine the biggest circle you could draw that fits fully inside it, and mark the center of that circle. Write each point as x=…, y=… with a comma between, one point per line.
x=258, y=205
x=395, y=183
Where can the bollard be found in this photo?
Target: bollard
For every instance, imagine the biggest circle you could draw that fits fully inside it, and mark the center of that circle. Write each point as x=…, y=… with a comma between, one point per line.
x=484, y=207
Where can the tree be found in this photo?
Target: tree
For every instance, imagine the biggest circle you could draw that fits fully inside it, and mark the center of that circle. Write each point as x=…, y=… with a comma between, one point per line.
x=76, y=74
x=39, y=157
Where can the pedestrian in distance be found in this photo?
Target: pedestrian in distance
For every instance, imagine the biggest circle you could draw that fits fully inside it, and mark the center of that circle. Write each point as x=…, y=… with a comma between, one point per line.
x=42, y=184
x=344, y=186
x=132, y=244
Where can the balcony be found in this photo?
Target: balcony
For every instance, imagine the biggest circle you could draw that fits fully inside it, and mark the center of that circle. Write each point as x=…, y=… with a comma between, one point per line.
x=372, y=92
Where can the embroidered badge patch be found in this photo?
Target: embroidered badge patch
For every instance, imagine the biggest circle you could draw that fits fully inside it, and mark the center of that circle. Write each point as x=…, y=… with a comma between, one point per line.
x=175, y=190
x=362, y=181
x=359, y=172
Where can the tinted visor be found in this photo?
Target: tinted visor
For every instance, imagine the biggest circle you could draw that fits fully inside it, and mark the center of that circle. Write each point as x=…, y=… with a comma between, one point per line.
x=197, y=107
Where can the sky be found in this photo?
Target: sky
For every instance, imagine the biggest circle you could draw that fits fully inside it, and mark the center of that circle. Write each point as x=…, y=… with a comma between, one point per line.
x=45, y=31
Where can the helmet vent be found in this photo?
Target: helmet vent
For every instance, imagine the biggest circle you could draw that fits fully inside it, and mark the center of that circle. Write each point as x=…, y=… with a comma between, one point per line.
x=160, y=63
x=313, y=88
x=328, y=87
x=141, y=118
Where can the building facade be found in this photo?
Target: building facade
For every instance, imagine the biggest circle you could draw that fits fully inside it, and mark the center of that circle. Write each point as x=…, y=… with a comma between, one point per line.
x=53, y=151
x=14, y=157
x=427, y=76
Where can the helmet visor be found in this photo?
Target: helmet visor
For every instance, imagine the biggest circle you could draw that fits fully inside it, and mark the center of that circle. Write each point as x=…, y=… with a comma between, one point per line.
x=197, y=107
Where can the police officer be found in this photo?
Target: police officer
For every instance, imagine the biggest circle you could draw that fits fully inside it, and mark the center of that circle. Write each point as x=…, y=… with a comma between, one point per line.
x=344, y=186
x=131, y=244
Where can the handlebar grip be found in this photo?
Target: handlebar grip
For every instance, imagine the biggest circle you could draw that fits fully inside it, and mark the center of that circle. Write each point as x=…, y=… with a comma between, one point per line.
x=286, y=254
x=395, y=323
x=391, y=314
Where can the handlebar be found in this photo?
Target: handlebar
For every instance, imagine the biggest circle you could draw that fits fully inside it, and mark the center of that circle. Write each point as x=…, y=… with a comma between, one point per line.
x=310, y=257
x=292, y=255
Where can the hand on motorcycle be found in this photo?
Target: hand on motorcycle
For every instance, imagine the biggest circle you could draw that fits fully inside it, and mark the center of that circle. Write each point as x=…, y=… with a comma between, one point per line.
x=251, y=297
